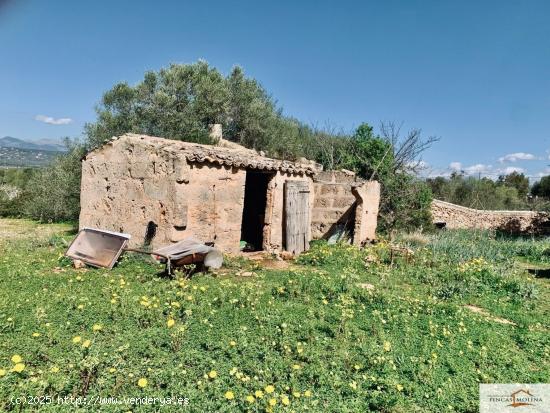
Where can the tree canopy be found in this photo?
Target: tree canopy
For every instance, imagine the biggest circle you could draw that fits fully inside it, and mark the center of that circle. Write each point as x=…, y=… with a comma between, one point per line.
x=516, y=180
x=542, y=187
x=507, y=193
x=182, y=100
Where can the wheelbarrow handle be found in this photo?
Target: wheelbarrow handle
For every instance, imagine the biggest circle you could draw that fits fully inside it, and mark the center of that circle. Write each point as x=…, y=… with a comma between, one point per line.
x=166, y=257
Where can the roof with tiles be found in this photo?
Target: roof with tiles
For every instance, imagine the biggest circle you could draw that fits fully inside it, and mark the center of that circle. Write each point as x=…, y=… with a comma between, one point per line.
x=225, y=153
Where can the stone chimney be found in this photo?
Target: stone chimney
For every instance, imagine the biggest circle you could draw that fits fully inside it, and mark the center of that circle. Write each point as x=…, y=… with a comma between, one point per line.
x=216, y=132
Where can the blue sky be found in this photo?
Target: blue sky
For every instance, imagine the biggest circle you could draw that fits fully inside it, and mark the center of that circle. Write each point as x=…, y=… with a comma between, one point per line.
x=476, y=74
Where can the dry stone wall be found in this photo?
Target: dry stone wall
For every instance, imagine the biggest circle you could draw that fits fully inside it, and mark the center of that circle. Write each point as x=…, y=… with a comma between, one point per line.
x=457, y=216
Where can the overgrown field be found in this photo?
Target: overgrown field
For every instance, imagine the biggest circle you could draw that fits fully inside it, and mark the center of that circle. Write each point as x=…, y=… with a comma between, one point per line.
x=340, y=330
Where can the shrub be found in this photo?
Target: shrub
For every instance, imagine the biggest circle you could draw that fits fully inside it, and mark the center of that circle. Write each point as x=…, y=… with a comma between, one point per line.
x=12, y=190
x=53, y=194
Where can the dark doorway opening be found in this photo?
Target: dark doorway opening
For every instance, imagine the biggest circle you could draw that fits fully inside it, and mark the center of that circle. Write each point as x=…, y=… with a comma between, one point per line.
x=255, y=199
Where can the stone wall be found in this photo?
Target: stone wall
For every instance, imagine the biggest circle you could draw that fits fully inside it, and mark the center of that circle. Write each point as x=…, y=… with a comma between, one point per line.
x=126, y=188
x=366, y=211
x=335, y=204
x=456, y=216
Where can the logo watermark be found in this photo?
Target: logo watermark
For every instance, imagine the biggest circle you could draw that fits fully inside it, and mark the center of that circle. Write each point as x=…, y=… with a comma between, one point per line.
x=514, y=398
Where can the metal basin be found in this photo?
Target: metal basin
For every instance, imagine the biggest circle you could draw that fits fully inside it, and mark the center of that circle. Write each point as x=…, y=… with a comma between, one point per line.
x=98, y=248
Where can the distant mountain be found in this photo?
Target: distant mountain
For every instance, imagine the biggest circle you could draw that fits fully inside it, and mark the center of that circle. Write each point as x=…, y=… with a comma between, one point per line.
x=41, y=145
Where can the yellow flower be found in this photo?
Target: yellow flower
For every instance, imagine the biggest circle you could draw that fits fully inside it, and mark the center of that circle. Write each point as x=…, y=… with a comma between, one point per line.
x=3, y=372
x=272, y=402
x=16, y=358
x=399, y=387
x=19, y=367
x=296, y=367
x=86, y=343
x=259, y=394
x=36, y=334
x=97, y=327
x=213, y=374
x=54, y=369
x=307, y=393
x=229, y=395
x=353, y=385
x=269, y=389
x=232, y=343
x=142, y=382
x=112, y=370
x=80, y=306
x=296, y=394
x=387, y=346
x=285, y=400
x=170, y=322
x=77, y=339
x=250, y=399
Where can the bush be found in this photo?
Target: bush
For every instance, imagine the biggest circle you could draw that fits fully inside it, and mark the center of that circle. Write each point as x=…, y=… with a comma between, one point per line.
x=11, y=207
x=405, y=203
x=507, y=193
x=12, y=190
x=53, y=193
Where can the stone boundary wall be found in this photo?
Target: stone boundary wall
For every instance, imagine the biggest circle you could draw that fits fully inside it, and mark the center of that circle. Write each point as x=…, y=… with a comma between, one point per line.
x=457, y=216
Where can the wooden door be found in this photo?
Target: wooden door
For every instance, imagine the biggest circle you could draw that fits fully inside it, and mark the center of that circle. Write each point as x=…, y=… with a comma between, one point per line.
x=297, y=216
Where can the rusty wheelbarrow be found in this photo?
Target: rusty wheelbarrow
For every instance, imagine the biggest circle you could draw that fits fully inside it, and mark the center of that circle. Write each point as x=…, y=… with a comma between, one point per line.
x=101, y=248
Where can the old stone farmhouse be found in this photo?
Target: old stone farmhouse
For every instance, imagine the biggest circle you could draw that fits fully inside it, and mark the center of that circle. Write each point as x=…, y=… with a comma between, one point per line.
x=162, y=191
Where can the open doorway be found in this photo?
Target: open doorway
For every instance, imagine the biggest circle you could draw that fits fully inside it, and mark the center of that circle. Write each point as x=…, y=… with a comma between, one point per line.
x=255, y=198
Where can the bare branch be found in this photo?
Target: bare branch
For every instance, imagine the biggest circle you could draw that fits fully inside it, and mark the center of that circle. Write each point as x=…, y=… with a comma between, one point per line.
x=406, y=151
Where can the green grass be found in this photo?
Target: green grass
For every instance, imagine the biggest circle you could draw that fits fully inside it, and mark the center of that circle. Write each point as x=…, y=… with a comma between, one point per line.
x=407, y=345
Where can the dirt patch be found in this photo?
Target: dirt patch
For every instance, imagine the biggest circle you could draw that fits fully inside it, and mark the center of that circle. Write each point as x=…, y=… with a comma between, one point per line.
x=267, y=260
x=486, y=314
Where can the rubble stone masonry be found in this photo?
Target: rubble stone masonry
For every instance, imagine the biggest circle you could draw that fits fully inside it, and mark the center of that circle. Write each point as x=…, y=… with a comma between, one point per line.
x=337, y=197
x=456, y=216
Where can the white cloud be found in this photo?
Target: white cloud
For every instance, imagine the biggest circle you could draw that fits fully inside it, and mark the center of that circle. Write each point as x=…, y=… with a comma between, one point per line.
x=455, y=166
x=53, y=121
x=509, y=170
x=478, y=168
x=417, y=165
x=544, y=172
x=517, y=156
